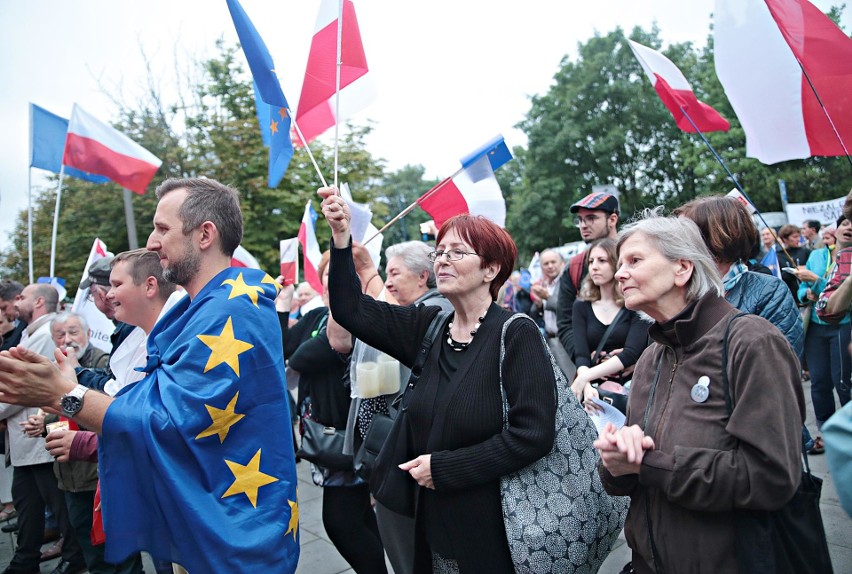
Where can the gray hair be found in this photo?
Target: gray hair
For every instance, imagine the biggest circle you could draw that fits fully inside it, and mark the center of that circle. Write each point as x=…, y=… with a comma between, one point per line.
x=549, y=250
x=678, y=238
x=415, y=256
x=209, y=200
x=65, y=315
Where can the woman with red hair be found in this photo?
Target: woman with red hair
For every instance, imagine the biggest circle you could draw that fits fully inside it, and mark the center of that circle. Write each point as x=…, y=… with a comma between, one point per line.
x=460, y=448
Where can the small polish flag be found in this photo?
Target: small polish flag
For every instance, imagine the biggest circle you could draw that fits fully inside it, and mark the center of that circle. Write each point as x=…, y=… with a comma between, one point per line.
x=95, y=147
x=677, y=95
x=466, y=193
x=735, y=193
x=242, y=258
x=311, y=254
x=290, y=260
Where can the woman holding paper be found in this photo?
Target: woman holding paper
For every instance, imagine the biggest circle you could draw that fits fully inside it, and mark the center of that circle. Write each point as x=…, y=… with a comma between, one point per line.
x=607, y=337
x=687, y=459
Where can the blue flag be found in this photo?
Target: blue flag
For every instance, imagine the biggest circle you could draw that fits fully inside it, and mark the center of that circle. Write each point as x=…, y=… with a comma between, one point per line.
x=770, y=260
x=47, y=134
x=275, y=131
x=495, y=149
x=196, y=459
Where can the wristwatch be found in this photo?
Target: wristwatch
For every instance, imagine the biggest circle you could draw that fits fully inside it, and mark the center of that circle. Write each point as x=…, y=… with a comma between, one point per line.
x=72, y=402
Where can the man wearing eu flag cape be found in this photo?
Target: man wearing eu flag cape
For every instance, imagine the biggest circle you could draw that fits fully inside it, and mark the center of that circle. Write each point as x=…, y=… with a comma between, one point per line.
x=196, y=459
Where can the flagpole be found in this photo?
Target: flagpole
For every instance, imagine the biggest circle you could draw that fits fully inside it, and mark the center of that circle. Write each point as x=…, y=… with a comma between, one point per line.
x=411, y=207
x=733, y=178
x=30, y=216
x=307, y=147
x=56, y=223
x=825, y=111
x=130, y=219
x=337, y=85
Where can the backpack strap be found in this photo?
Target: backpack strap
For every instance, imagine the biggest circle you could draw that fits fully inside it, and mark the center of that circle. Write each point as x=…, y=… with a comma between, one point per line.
x=575, y=269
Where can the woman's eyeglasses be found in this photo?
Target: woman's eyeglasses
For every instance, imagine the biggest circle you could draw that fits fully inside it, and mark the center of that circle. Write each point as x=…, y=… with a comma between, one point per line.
x=452, y=254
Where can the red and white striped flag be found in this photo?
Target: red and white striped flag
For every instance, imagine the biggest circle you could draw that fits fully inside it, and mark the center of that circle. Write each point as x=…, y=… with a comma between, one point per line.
x=677, y=95
x=242, y=258
x=311, y=254
x=758, y=47
x=289, y=249
x=316, y=112
x=95, y=147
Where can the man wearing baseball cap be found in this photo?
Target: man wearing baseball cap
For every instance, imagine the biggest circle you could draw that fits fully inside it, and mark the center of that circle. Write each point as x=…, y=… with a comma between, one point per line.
x=596, y=217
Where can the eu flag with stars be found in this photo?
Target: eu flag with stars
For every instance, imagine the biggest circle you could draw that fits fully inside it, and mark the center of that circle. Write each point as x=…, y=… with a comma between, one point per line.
x=272, y=107
x=196, y=459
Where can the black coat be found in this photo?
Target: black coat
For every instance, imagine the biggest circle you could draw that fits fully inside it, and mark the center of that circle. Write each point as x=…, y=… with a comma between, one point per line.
x=462, y=427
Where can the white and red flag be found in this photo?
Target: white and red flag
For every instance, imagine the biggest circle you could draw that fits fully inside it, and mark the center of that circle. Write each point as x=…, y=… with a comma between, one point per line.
x=100, y=328
x=289, y=250
x=243, y=258
x=95, y=147
x=761, y=48
x=311, y=254
x=316, y=112
x=473, y=190
x=677, y=95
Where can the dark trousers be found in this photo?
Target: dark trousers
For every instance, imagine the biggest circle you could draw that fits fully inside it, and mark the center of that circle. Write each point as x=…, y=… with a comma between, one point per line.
x=80, y=506
x=351, y=526
x=34, y=488
x=830, y=366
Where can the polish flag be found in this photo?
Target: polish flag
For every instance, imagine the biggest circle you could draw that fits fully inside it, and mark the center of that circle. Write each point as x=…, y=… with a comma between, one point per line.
x=677, y=95
x=759, y=46
x=316, y=111
x=242, y=258
x=311, y=254
x=289, y=249
x=95, y=147
x=100, y=328
x=466, y=192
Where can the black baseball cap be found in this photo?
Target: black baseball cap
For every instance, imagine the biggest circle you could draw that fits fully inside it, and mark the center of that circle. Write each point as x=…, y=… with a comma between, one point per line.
x=98, y=273
x=600, y=201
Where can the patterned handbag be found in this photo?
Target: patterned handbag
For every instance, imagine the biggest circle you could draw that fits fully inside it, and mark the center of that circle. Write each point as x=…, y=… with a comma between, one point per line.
x=558, y=517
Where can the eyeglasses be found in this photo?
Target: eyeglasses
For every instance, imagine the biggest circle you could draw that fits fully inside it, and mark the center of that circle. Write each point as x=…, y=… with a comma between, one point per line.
x=588, y=220
x=452, y=254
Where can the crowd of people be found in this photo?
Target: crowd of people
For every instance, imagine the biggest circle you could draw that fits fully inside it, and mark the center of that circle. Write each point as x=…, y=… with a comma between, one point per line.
x=688, y=317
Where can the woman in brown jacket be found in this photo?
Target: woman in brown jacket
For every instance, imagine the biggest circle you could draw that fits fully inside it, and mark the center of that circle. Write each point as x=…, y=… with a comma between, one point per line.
x=687, y=464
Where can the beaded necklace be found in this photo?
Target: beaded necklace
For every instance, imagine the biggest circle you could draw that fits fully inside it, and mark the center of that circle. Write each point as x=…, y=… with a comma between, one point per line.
x=458, y=346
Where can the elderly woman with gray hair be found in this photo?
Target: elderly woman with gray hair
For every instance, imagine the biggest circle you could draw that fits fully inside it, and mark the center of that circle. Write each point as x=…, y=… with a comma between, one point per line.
x=689, y=460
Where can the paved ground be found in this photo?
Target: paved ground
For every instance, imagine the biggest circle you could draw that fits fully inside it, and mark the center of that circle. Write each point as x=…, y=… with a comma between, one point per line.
x=320, y=557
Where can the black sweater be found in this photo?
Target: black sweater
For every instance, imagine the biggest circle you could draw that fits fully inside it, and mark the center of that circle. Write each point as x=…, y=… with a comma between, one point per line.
x=462, y=428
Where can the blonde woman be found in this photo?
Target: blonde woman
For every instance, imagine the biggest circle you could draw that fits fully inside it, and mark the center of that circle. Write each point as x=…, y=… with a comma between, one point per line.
x=599, y=313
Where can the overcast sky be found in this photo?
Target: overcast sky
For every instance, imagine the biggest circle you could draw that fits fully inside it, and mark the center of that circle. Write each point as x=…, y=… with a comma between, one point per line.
x=450, y=74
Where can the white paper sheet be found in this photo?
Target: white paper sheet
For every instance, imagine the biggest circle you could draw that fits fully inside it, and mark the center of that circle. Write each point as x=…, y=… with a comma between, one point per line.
x=610, y=414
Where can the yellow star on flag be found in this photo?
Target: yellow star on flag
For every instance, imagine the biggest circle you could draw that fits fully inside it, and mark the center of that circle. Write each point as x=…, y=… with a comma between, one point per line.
x=273, y=126
x=223, y=420
x=248, y=479
x=293, y=526
x=268, y=279
x=224, y=348
x=240, y=287
x=283, y=113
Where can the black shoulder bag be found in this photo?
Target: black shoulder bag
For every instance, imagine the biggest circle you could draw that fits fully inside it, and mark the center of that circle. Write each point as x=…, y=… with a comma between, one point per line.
x=617, y=400
x=393, y=487
x=790, y=540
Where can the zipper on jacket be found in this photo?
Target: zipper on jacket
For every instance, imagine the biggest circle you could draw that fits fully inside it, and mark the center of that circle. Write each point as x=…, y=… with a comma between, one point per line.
x=668, y=401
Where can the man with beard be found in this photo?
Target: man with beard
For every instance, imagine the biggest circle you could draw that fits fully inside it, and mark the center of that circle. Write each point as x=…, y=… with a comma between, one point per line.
x=71, y=334
x=9, y=291
x=203, y=443
x=34, y=484
x=596, y=217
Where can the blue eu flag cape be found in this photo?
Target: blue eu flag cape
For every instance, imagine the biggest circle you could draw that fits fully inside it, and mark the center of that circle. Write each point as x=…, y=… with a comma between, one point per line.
x=197, y=463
